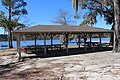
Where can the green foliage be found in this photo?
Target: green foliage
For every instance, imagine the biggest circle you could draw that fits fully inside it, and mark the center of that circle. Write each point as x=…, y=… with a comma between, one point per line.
x=3, y=37
x=15, y=8
x=94, y=8
x=12, y=25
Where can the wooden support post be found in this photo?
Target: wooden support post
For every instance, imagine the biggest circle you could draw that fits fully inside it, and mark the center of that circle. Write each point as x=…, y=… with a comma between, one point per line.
x=90, y=40
x=35, y=40
x=66, y=42
x=51, y=38
x=85, y=39
x=100, y=36
x=92, y=43
x=79, y=38
x=45, y=50
x=35, y=37
x=85, y=46
x=18, y=47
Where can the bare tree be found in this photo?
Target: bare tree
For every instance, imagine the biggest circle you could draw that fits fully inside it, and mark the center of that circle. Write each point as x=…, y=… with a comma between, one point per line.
x=64, y=18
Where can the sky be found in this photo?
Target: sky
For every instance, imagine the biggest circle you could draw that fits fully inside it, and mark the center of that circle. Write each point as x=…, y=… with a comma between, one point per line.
x=43, y=11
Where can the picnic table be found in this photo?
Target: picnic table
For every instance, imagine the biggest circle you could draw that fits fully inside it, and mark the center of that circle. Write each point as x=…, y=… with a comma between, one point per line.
x=40, y=48
x=93, y=44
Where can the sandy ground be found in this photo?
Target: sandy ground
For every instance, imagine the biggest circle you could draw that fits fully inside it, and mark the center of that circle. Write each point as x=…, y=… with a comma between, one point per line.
x=91, y=66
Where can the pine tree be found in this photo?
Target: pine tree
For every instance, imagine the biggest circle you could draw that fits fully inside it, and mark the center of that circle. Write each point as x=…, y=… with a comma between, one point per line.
x=15, y=9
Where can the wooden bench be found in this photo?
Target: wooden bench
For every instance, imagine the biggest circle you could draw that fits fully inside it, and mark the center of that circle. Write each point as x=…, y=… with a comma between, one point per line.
x=105, y=44
x=40, y=48
x=89, y=44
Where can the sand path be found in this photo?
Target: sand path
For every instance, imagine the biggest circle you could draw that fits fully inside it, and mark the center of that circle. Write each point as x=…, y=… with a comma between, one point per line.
x=90, y=66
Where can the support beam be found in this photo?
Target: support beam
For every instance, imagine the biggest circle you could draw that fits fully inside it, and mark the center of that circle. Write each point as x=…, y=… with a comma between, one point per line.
x=35, y=37
x=51, y=38
x=100, y=37
x=18, y=47
x=85, y=40
x=79, y=38
x=90, y=39
x=66, y=42
x=92, y=44
x=45, y=48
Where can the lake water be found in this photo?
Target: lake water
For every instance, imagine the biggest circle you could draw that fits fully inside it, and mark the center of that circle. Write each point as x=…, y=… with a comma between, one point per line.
x=41, y=42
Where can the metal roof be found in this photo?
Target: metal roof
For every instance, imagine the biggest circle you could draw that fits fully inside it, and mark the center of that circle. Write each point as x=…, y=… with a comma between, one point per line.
x=61, y=29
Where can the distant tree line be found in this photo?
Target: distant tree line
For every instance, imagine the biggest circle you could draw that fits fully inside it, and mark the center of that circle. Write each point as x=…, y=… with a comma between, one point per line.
x=3, y=37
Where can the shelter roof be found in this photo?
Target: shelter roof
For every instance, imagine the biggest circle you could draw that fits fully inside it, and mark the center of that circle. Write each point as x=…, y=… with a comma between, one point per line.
x=62, y=29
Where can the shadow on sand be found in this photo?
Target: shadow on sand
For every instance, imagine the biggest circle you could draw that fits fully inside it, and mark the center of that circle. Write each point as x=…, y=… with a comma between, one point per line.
x=72, y=51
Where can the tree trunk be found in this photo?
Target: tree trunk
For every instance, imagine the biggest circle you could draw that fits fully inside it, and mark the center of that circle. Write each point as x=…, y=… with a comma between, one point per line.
x=116, y=48
x=9, y=27
x=10, y=39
